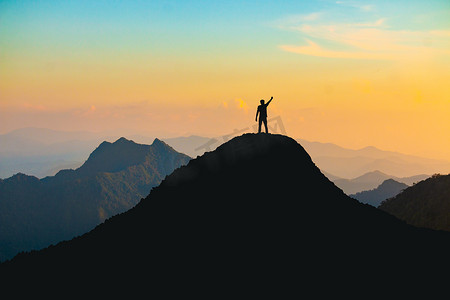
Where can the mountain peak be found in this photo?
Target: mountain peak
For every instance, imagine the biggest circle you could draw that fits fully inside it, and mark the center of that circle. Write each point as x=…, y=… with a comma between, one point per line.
x=274, y=159
x=123, y=140
x=390, y=181
x=371, y=175
x=387, y=189
x=157, y=141
x=372, y=148
x=377, y=172
x=256, y=207
x=123, y=153
x=21, y=177
x=113, y=180
x=113, y=157
x=161, y=145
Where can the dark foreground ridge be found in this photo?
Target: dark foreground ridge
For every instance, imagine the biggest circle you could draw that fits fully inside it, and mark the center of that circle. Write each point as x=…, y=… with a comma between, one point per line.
x=255, y=209
x=425, y=204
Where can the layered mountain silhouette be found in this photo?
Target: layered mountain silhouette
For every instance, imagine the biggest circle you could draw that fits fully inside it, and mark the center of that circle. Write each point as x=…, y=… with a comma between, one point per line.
x=348, y=163
x=35, y=213
x=426, y=204
x=43, y=152
x=256, y=209
x=371, y=180
x=388, y=189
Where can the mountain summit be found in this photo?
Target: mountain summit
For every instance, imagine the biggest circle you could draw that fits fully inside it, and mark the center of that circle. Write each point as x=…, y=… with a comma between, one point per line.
x=255, y=209
x=117, y=156
x=35, y=213
x=389, y=188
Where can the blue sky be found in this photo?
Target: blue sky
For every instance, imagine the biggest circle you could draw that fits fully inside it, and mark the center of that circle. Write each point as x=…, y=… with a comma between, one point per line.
x=213, y=24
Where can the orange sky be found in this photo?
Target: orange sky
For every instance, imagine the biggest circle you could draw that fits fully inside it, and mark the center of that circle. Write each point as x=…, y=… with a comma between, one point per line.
x=350, y=73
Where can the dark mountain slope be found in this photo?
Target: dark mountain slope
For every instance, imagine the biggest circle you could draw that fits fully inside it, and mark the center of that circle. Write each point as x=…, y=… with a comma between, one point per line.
x=389, y=188
x=254, y=210
x=426, y=204
x=35, y=213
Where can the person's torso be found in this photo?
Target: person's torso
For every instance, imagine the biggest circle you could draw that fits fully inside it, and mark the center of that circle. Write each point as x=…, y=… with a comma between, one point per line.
x=262, y=110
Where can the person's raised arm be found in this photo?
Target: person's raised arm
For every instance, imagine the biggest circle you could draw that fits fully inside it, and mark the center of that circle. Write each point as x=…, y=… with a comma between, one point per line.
x=269, y=101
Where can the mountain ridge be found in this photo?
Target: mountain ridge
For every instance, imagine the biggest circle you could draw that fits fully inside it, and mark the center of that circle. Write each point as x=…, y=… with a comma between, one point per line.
x=387, y=189
x=105, y=157
x=426, y=204
x=256, y=209
x=371, y=180
x=42, y=153
x=349, y=163
x=113, y=179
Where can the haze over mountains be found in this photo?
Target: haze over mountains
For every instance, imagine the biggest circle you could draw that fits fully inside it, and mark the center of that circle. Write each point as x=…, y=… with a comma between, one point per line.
x=37, y=212
x=42, y=152
x=347, y=163
x=336, y=161
x=370, y=181
x=256, y=209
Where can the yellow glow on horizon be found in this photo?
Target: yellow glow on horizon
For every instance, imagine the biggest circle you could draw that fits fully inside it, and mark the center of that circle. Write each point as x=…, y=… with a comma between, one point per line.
x=354, y=82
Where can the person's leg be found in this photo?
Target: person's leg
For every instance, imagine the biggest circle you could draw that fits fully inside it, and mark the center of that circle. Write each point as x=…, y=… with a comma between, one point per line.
x=265, y=125
x=259, y=127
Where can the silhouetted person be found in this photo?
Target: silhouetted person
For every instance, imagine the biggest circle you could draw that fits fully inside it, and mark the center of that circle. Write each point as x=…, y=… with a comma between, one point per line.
x=262, y=111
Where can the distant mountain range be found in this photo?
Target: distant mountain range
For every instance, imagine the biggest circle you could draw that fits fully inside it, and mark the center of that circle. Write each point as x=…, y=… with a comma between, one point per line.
x=426, y=204
x=37, y=212
x=341, y=163
x=43, y=152
x=388, y=189
x=337, y=161
x=256, y=211
x=370, y=181
x=348, y=163
x=192, y=145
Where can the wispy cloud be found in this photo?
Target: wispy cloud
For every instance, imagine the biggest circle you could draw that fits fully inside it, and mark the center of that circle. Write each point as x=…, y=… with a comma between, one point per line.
x=373, y=39
x=368, y=36
x=314, y=49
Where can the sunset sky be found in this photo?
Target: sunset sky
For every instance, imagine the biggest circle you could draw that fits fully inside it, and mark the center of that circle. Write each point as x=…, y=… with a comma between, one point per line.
x=353, y=73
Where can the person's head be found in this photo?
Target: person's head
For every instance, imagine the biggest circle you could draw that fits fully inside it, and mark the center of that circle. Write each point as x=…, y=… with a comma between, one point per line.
x=262, y=101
